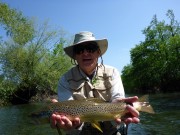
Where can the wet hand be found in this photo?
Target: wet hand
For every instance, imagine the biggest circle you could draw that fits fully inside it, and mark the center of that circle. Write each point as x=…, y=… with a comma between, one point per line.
x=132, y=114
x=61, y=121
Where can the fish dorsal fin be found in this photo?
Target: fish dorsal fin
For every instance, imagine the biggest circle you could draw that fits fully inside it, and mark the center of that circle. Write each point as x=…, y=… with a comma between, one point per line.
x=96, y=125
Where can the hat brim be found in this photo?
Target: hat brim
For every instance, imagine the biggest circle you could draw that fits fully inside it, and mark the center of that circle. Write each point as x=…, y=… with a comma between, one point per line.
x=102, y=43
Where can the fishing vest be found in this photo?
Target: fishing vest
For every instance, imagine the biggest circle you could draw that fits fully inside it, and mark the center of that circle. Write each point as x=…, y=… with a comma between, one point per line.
x=82, y=87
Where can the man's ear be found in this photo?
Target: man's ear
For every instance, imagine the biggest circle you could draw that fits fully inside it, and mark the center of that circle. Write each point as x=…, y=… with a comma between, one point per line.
x=99, y=52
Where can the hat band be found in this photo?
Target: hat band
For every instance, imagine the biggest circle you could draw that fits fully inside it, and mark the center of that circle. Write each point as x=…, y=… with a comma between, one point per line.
x=81, y=39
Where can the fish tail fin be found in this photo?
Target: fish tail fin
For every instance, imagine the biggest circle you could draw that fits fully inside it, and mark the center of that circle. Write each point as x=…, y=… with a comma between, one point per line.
x=147, y=108
x=38, y=121
x=39, y=117
x=145, y=105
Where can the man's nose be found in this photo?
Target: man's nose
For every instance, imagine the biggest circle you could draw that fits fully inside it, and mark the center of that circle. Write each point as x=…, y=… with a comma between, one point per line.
x=85, y=52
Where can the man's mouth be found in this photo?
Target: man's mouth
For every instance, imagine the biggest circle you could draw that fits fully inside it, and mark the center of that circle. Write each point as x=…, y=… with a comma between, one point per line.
x=84, y=60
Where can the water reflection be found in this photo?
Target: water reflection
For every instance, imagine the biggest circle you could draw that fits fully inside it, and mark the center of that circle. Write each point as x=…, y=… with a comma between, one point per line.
x=166, y=120
x=15, y=121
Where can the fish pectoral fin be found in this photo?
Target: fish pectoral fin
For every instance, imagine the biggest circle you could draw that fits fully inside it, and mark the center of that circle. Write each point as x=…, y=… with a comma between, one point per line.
x=96, y=124
x=117, y=116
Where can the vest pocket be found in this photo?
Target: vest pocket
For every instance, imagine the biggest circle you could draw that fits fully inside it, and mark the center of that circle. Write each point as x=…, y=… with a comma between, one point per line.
x=103, y=83
x=102, y=88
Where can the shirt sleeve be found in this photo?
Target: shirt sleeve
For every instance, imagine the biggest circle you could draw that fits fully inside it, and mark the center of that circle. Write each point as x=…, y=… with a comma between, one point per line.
x=117, y=86
x=64, y=92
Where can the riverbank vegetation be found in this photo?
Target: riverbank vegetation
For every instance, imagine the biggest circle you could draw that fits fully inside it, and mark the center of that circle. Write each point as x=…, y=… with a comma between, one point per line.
x=32, y=58
x=155, y=65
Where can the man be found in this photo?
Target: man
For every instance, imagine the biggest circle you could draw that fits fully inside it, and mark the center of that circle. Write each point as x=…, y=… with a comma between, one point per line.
x=89, y=79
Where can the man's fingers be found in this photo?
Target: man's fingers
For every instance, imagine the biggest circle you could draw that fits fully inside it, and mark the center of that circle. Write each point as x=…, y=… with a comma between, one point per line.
x=135, y=120
x=128, y=120
x=118, y=121
x=126, y=100
x=53, y=121
x=131, y=120
x=131, y=99
x=132, y=114
x=76, y=122
x=66, y=123
x=132, y=110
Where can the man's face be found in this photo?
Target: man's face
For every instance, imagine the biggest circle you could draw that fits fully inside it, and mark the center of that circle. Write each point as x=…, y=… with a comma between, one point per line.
x=87, y=55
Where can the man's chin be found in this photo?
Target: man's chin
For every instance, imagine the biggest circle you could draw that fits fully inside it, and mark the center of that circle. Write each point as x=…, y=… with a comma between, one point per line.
x=89, y=66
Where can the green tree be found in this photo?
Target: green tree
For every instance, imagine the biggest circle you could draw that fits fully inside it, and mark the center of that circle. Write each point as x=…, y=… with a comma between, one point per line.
x=154, y=62
x=31, y=65
x=16, y=25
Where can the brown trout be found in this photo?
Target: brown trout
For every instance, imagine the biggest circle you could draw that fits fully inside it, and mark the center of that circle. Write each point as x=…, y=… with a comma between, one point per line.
x=92, y=110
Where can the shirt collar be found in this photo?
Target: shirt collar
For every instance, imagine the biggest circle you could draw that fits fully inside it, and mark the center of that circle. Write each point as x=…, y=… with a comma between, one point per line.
x=87, y=77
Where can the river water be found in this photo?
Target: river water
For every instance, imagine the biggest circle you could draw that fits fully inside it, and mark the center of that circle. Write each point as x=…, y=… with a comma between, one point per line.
x=14, y=120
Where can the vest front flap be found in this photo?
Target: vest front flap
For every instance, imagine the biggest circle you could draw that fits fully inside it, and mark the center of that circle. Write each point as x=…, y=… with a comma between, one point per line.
x=75, y=78
x=75, y=85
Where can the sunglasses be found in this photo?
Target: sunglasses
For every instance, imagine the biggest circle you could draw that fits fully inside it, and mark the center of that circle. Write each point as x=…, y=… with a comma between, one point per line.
x=89, y=47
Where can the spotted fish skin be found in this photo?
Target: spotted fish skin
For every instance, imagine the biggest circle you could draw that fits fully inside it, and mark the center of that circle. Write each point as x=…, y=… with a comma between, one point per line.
x=92, y=109
x=88, y=110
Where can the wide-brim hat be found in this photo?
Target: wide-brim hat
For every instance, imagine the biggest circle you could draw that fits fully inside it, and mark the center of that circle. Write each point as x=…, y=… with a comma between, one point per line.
x=86, y=36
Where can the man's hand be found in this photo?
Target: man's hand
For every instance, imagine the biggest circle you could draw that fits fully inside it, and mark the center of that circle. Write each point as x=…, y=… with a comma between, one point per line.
x=132, y=114
x=61, y=121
